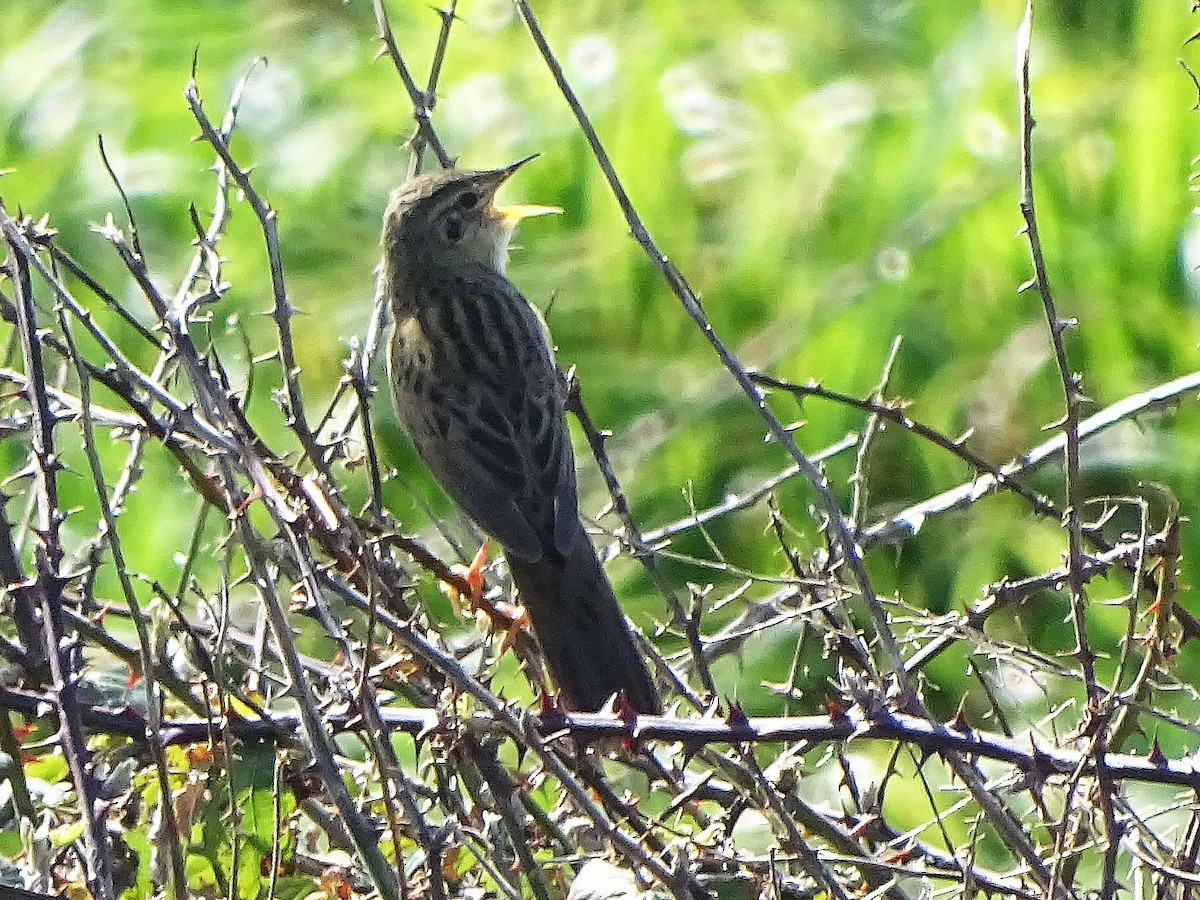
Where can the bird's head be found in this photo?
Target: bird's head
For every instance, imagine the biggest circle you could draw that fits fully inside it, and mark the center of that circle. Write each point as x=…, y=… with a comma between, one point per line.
x=450, y=215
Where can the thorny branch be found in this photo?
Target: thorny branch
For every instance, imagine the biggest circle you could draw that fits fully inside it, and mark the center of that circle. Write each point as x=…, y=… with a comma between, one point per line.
x=527, y=796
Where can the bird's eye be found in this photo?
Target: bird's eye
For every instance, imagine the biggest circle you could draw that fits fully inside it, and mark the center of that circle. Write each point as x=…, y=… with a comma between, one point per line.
x=452, y=228
x=467, y=200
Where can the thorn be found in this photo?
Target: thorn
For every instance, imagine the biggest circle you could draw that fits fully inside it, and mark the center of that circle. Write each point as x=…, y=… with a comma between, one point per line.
x=549, y=707
x=835, y=710
x=897, y=857
x=862, y=824
x=958, y=722
x=624, y=710
x=737, y=718
x=1156, y=756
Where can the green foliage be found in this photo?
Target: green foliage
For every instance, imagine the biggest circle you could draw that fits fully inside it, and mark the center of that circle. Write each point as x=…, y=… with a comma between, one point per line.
x=827, y=179
x=829, y=176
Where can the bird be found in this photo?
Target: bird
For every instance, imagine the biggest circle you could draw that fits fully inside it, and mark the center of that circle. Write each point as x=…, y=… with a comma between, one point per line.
x=475, y=384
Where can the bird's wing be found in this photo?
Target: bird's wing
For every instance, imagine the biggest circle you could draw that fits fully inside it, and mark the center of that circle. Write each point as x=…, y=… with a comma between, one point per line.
x=480, y=466
x=551, y=459
x=501, y=449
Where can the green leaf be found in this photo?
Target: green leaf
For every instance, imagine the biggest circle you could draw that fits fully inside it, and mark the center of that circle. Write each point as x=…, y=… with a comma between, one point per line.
x=139, y=843
x=254, y=790
x=67, y=834
x=51, y=768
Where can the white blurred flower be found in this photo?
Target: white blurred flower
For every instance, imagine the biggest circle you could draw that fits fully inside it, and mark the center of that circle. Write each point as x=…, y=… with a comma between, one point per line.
x=764, y=50
x=145, y=174
x=711, y=159
x=56, y=112
x=681, y=77
x=150, y=172
x=986, y=137
x=489, y=15
x=1189, y=256
x=271, y=99
x=961, y=67
x=478, y=102
x=834, y=106
x=601, y=880
x=305, y=157
x=696, y=110
x=592, y=60
x=892, y=264
x=337, y=48
x=40, y=60
x=1017, y=683
x=49, y=794
x=1095, y=155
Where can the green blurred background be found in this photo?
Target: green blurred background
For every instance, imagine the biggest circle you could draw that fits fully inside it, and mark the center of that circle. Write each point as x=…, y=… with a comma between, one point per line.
x=829, y=176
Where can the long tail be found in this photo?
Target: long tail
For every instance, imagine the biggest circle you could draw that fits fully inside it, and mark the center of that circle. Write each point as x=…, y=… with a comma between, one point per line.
x=584, y=636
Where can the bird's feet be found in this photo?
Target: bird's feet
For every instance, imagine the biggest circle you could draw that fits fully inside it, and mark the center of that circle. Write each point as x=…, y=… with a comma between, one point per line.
x=510, y=619
x=474, y=575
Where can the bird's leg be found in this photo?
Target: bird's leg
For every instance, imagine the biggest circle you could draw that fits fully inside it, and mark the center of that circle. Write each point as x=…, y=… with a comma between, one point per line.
x=474, y=573
x=509, y=618
x=517, y=621
x=473, y=576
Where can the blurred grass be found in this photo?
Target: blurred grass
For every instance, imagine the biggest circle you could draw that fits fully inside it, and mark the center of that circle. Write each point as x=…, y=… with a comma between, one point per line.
x=829, y=176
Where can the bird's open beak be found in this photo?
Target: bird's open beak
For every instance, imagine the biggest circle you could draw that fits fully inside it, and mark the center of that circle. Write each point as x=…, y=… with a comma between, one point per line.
x=519, y=211
x=507, y=171
x=514, y=214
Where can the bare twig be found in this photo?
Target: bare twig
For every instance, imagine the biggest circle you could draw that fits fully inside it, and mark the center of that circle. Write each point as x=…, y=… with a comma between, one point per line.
x=153, y=695
x=45, y=589
x=1073, y=397
x=851, y=556
x=420, y=102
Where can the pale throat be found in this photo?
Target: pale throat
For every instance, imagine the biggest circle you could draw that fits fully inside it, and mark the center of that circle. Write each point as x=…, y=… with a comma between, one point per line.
x=499, y=233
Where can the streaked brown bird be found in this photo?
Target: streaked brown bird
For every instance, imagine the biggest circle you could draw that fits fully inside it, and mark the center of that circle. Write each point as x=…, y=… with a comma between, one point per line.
x=475, y=385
